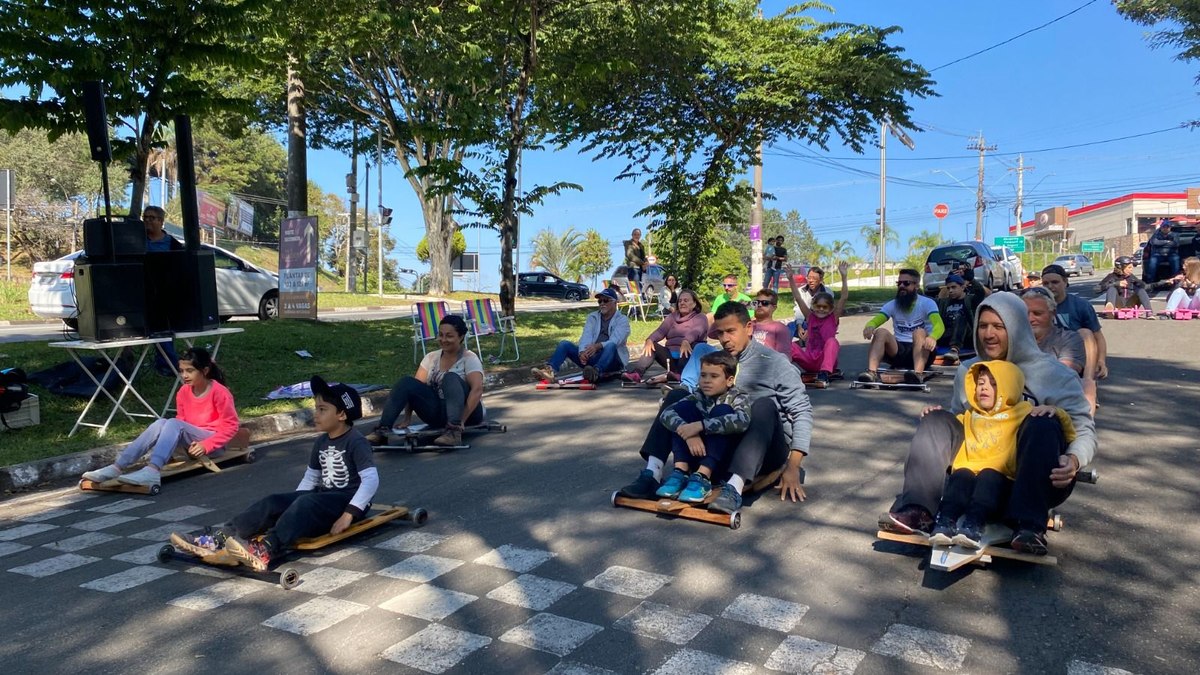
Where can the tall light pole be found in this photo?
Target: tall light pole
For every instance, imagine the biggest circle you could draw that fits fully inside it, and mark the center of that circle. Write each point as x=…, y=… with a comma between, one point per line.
x=980, y=204
x=884, y=127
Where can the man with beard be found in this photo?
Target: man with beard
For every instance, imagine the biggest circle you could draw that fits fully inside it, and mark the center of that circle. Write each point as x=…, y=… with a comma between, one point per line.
x=918, y=327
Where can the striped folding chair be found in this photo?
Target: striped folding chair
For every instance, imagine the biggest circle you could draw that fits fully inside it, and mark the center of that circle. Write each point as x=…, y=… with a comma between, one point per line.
x=637, y=304
x=483, y=320
x=425, y=317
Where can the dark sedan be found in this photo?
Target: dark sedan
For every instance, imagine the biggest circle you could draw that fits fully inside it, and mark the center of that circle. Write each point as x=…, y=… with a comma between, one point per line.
x=546, y=284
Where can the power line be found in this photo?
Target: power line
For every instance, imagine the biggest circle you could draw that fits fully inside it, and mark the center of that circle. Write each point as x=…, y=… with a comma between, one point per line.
x=1015, y=37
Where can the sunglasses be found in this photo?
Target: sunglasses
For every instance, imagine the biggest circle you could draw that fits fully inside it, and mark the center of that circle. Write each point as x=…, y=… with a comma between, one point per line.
x=762, y=303
x=729, y=285
x=902, y=284
x=603, y=301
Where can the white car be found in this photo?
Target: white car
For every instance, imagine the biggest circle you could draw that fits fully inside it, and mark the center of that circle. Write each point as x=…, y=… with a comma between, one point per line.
x=1012, y=265
x=243, y=289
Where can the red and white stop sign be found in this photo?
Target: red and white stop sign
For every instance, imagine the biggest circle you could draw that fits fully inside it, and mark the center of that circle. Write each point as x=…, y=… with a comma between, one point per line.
x=941, y=211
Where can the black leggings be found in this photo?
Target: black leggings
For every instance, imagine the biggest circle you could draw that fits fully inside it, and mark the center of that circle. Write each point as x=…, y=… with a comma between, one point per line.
x=978, y=496
x=289, y=516
x=436, y=411
x=662, y=356
x=760, y=450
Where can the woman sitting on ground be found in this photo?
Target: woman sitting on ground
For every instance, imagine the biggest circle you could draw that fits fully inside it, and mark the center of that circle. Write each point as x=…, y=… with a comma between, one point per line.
x=446, y=391
x=1185, y=293
x=670, y=345
x=1122, y=287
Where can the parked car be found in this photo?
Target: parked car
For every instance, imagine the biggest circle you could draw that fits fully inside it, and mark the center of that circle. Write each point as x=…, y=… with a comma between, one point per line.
x=1076, y=264
x=1013, y=266
x=1188, y=246
x=547, y=284
x=986, y=263
x=797, y=274
x=243, y=289
x=1137, y=255
x=652, y=280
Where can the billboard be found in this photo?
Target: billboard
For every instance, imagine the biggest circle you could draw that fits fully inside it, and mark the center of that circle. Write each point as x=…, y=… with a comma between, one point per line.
x=1050, y=219
x=298, y=268
x=241, y=216
x=211, y=210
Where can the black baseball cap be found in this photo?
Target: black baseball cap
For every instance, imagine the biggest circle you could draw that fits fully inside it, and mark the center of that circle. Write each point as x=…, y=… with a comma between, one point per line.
x=343, y=397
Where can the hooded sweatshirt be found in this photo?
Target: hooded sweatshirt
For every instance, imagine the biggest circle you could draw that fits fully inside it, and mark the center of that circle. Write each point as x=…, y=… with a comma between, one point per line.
x=1047, y=382
x=990, y=434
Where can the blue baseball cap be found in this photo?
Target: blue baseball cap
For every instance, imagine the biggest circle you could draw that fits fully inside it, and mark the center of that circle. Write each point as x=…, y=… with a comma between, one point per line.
x=608, y=293
x=955, y=279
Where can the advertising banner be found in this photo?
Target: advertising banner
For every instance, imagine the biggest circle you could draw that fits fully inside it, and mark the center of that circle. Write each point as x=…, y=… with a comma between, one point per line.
x=211, y=210
x=298, y=268
x=242, y=219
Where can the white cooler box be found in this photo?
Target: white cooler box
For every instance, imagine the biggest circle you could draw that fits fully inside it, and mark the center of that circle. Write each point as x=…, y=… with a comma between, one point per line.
x=27, y=416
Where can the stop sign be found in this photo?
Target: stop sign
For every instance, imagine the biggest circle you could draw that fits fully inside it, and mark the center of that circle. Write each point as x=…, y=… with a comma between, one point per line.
x=941, y=211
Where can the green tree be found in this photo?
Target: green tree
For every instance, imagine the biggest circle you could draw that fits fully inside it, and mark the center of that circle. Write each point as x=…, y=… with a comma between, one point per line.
x=919, y=246
x=1177, y=24
x=870, y=233
x=147, y=52
x=696, y=86
x=593, y=256
x=558, y=254
x=458, y=247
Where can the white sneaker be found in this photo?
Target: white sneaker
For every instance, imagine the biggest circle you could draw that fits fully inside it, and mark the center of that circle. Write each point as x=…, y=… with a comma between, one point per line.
x=145, y=476
x=103, y=474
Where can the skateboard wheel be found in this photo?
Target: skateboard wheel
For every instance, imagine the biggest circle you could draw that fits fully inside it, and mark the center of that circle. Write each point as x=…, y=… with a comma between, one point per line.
x=735, y=520
x=289, y=578
x=154, y=490
x=250, y=457
x=419, y=516
x=613, y=498
x=165, y=553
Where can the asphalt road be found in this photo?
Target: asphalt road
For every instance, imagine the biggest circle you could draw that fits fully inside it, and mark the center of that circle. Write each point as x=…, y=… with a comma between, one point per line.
x=524, y=567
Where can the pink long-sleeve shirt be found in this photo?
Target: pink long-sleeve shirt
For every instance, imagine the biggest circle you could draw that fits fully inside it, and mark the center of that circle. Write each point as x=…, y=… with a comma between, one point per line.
x=693, y=328
x=214, y=411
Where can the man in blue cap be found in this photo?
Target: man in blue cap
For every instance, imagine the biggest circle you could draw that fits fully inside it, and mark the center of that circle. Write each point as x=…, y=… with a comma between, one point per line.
x=601, y=347
x=1164, y=247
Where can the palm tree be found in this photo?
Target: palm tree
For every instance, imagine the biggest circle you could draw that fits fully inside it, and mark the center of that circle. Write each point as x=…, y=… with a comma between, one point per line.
x=871, y=234
x=556, y=253
x=919, y=246
x=839, y=250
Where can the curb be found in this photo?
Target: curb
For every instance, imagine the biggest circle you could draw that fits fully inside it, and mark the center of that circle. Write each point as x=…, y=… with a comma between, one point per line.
x=263, y=430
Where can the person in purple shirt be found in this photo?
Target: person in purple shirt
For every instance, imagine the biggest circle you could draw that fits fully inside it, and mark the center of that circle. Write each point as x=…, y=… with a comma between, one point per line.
x=670, y=345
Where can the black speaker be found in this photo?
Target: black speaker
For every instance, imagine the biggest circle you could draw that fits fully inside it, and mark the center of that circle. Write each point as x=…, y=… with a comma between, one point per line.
x=181, y=291
x=112, y=301
x=97, y=122
x=110, y=240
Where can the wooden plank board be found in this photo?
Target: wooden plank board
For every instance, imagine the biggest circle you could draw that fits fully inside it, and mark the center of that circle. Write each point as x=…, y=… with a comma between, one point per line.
x=211, y=463
x=387, y=514
x=115, y=485
x=977, y=555
x=671, y=507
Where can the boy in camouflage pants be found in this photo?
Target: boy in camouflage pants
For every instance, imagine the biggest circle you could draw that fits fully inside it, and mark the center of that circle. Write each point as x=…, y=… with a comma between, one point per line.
x=707, y=425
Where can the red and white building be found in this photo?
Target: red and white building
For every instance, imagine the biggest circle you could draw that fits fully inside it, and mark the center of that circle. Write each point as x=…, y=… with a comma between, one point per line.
x=1131, y=217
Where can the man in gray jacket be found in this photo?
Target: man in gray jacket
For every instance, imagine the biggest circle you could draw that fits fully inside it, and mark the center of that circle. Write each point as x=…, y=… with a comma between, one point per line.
x=780, y=419
x=1046, y=463
x=601, y=349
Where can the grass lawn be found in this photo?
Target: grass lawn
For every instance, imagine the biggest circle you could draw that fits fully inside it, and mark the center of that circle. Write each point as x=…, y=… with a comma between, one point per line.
x=14, y=297
x=263, y=358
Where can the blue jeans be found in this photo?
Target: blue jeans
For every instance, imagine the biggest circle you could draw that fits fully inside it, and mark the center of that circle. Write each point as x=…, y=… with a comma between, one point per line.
x=161, y=438
x=690, y=377
x=1172, y=259
x=716, y=446
x=605, y=362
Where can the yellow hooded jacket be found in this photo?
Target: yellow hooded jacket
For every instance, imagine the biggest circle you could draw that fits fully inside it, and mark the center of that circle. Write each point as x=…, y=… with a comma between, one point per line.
x=990, y=436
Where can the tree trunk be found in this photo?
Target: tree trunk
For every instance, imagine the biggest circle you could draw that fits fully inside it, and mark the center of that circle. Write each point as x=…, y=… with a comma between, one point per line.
x=297, y=169
x=439, y=233
x=141, y=166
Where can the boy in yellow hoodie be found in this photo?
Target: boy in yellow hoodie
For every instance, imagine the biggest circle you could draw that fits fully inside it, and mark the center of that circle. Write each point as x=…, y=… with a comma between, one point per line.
x=982, y=472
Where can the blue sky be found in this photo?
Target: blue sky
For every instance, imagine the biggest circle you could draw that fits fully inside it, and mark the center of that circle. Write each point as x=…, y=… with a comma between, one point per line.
x=1089, y=77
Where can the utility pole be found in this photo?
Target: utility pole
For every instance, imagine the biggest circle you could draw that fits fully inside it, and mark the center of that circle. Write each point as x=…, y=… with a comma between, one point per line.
x=980, y=204
x=1020, y=170
x=756, y=247
x=352, y=187
x=366, y=251
x=883, y=128
x=379, y=165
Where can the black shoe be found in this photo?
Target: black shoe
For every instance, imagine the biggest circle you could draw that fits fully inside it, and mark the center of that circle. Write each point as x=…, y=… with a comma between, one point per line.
x=943, y=531
x=644, y=487
x=970, y=534
x=868, y=376
x=727, y=501
x=1028, y=541
x=951, y=357
x=912, y=377
x=590, y=374
x=911, y=519
x=823, y=378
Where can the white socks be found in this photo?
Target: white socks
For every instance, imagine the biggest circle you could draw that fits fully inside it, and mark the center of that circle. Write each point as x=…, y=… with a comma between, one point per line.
x=655, y=465
x=736, y=482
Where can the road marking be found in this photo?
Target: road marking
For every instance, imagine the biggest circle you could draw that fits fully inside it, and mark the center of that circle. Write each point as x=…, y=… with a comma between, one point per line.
x=628, y=581
x=332, y=556
x=322, y=580
x=690, y=662
x=1085, y=668
x=413, y=542
x=40, y=516
x=532, y=592
x=315, y=615
x=802, y=655
x=143, y=555
x=21, y=531
x=428, y=602
x=205, y=571
x=923, y=647
x=130, y=578
x=765, y=612
x=220, y=593
x=420, y=568
x=436, y=648
x=121, y=505
x=80, y=542
x=180, y=513
x=61, y=563
x=650, y=619
x=163, y=532
x=11, y=547
x=515, y=559
x=552, y=634
x=572, y=668
x=102, y=522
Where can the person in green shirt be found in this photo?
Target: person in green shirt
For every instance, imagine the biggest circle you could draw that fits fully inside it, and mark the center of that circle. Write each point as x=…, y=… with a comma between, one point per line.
x=730, y=284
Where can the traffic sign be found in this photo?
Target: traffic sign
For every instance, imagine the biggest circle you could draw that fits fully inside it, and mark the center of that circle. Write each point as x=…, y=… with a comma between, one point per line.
x=1092, y=247
x=1017, y=244
x=941, y=211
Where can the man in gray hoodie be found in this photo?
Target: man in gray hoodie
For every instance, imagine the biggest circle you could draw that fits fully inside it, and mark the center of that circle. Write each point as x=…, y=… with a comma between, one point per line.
x=1046, y=463
x=780, y=419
